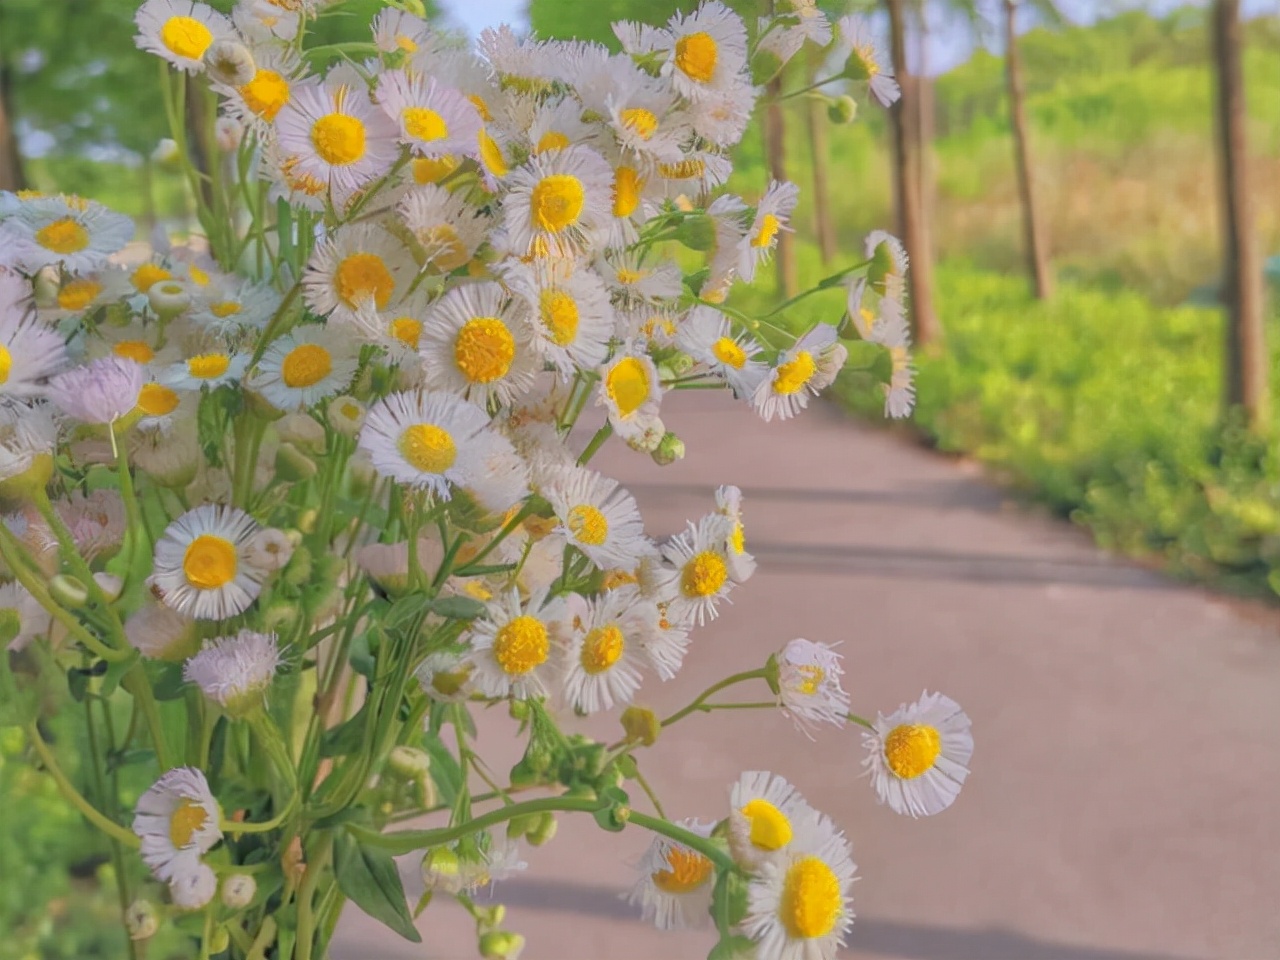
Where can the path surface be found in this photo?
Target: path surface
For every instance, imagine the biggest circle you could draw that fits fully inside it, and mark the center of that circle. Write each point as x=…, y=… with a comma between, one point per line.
x=1123, y=802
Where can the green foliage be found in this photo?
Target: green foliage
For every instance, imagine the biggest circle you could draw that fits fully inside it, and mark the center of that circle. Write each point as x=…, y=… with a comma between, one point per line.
x=1105, y=407
x=593, y=19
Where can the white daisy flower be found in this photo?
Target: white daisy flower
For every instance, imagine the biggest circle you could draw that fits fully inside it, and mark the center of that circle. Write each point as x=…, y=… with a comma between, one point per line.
x=866, y=59
x=722, y=116
x=23, y=616
x=697, y=174
x=511, y=645
x=474, y=347
x=809, y=684
x=434, y=120
x=646, y=124
x=501, y=478
x=201, y=566
x=398, y=31
x=291, y=182
x=602, y=660
x=741, y=564
x=559, y=202
x=194, y=890
x=773, y=214
x=180, y=31
x=230, y=306
x=28, y=435
x=161, y=633
x=799, y=373
x=637, y=282
x=79, y=295
x=398, y=330
x=337, y=135
x=558, y=125
x=765, y=816
x=918, y=756
x=569, y=312
x=445, y=676
x=263, y=21
x=708, y=337
x=425, y=440
x=900, y=394
x=212, y=367
x=798, y=904
x=705, y=50
x=523, y=64
x=30, y=354
x=698, y=555
x=448, y=229
x=630, y=390
x=77, y=235
x=101, y=391
x=352, y=264
x=676, y=882
x=887, y=274
x=632, y=187
x=170, y=454
x=597, y=516
x=235, y=672
x=303, y=367
x=178, y=820
x=257, y=102
x=162, y=408
x=96, y=521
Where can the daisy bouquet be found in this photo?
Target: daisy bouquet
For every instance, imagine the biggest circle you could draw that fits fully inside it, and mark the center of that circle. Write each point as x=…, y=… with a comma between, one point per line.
x=285, y=503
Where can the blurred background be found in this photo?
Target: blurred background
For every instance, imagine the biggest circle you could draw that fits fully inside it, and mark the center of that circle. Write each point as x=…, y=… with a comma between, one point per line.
x=1094, y=288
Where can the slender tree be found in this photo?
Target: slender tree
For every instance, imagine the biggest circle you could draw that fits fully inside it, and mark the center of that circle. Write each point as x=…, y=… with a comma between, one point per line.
x=1246, y=352
x=912, y=212
x=775, y=153
x=816, y=121
x=11, y=175
x=1035, y=238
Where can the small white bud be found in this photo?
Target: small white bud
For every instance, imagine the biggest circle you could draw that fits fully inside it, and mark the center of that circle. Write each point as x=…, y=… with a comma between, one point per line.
x=238, y=891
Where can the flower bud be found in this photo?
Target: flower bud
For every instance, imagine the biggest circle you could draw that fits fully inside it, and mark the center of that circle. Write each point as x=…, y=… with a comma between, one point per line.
x=141, y=920
x=307, y=520
x=168, y=298
x=346, y=415
x=697, y=232
x=230, y=62
x=298, y=570
x=68, y=592
x=490, y=917
x=166, y=153
x=408, y=763
x=360, y=475
x=544, y=829
x=501, y=945
x=648, y=436
x=238, y=891
x=280, y=617
x=842, y=109
x=219, y=941
x=227, y=134
x=641, y=726
x=110, y=585
x=294, y=466
x=670, y=449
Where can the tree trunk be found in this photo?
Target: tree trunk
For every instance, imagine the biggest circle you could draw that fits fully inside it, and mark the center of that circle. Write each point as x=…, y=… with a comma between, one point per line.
x=11, y=173
x=912, y=213
x=816, y=120
x=1246, y=353
x=1035, y=242
x=202, y=150
x=775, y=141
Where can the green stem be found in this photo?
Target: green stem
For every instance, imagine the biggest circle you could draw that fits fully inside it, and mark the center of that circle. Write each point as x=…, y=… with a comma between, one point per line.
x=688, y=838
x=73, y=796
x=653, y=797
x=758, y=705
x=813, y=86
x=861, y=721
x=596, y=443
x=826, y=283
x=702, y=698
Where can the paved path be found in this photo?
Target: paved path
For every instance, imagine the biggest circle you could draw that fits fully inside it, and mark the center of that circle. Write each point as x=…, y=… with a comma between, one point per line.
x=1124, y=797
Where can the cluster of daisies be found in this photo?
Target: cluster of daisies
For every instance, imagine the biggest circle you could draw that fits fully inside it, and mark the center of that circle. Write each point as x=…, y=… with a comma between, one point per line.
x=378, y=399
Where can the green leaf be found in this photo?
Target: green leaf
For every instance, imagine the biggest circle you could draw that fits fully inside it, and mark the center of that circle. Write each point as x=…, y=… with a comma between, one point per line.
x=361, y=657
x=444, y=770
x=369, y=878
x=347, y=737
x=457, y=608
x=115, y=673
x=404, y=610
x=19, y=701
x=733, y=947
x=169, y=683
x=611, y=817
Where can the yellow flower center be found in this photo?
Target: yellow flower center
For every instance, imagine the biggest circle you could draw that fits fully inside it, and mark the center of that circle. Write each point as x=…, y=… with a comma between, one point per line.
x=224, y=308
x=148, y=275
x=551, y=140
x=157, y=400
x=78, y=294
x=364, y=275
x=428, y=448
x=614, y=579
x=738, y=539
x=696, y=56
x=602, y=648
x=912, y=749
x=484, y=349
x=491, y=155
x=448, y=684
x=627, y=186
x=728, y=352
x=481, y=106
x=408, y=330
x=627, y=385
x=265, y=94
x=704, y=574
x=139, y=351
x=811, y=902
x=305, y=366
x=795, y=373
x=769, y=225
x=559, y=315
x=198, y=276
x=406, y=44
x=686, y=871
x=521, y=645
x=433, y=169
x=338, y=138
x=556, y=202
x=210, y=562
x=684, y=170
x=812, y=677
x=186, y=37
x=425, y=124
x=188, y=818
x=448, y=252
x=770, y=828
x=63, y=236
x=643, y=123
x=627, y=277
x=588, y=525
x=208, y=366
x=6, y=363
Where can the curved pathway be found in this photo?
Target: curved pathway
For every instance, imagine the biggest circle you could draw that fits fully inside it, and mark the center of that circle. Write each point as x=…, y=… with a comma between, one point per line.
x=1123, y=802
